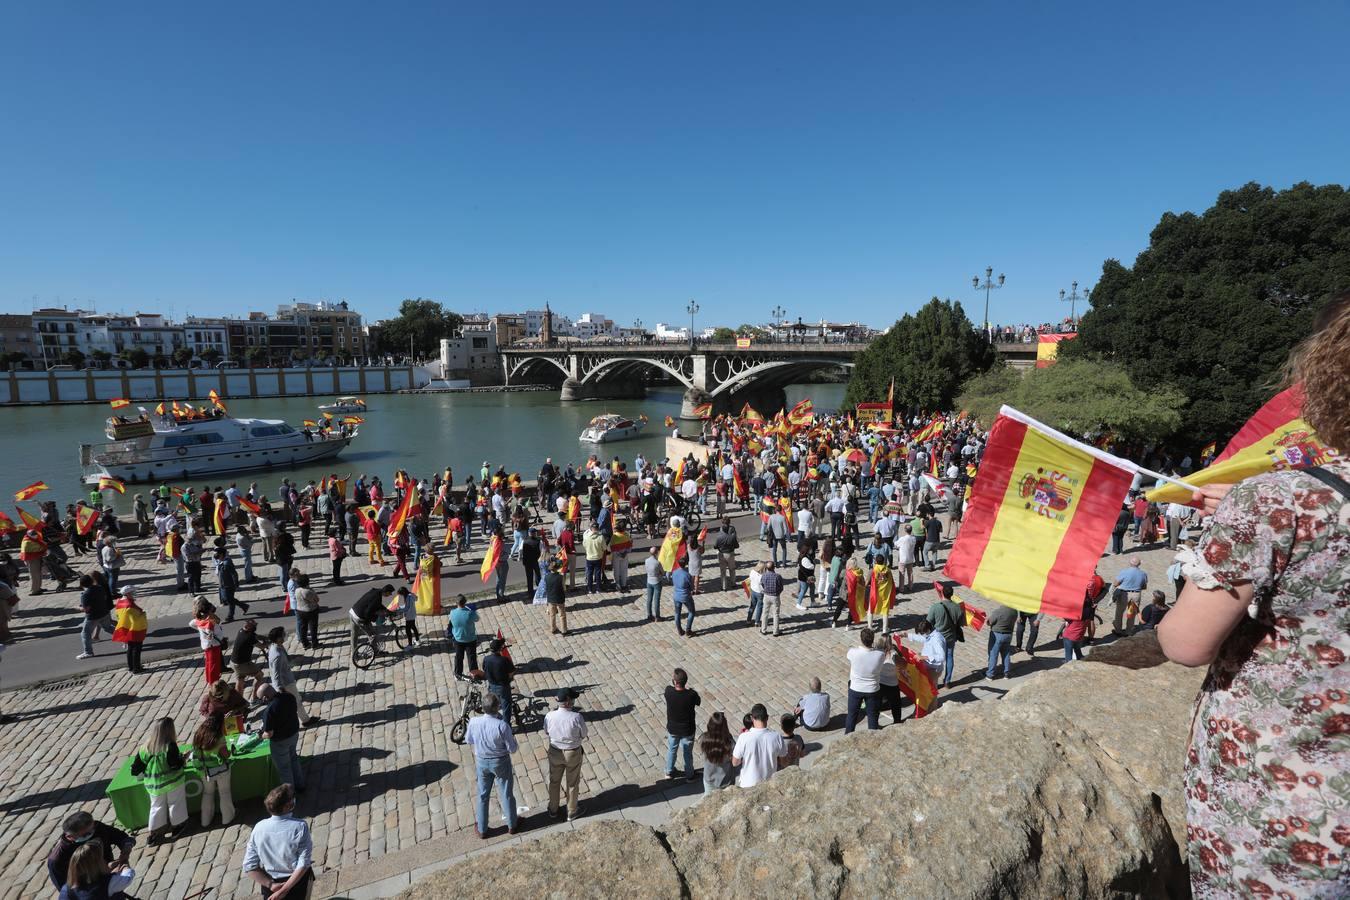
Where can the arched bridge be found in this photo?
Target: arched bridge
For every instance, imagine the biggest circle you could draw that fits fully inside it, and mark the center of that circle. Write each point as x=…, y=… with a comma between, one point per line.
x=723, y=374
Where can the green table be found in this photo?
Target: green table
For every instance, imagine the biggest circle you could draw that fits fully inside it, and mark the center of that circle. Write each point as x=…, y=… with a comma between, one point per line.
x=251, y=775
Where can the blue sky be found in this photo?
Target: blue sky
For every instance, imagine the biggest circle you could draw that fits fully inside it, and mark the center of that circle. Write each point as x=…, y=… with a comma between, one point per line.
x=625, y=157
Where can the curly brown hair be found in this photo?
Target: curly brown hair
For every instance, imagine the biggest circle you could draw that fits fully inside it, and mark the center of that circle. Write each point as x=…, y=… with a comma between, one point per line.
x=1322, y=364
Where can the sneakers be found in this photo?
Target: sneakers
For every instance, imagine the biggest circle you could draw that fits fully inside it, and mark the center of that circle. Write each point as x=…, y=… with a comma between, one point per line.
x=85, y=656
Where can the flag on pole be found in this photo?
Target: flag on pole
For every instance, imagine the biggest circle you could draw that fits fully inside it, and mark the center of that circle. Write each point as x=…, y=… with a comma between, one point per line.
x=916, y=680
x=490, y=559
x=400, y=517
x=670, y=423
x=1038, y=518
x=938, y=488
x=7, y=524
x=1207, y=452
x=974, y=616
x=506, y=648
x=29, y=520
x=703, y=411
x=310, y=423
x=672, y=548
x=31, y=491
x=109, y=483
x=119, y=403
x=215, y=400
x=85, y=518
x=750, y=414
x=855, y=595
x=1276, y=438
x=249, y=505
x=159, y=408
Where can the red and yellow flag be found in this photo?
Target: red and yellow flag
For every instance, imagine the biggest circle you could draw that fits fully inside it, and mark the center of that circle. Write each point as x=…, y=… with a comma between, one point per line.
x=85, y=518
x=173, y=544
x=490, y=558
x=130, y=622
x=855, y=595
x=916, y=681
x=218, y=517
x=399, y=520
x=1275, y=438
x=310, y=423
x=119, y=403
x=672, y=548
x=159, y=408
x=738, y=480
x=703, y=411
x=1207, y=451
x=882, y=592
x=7, y=524
x=1039, y=516
x=974, y=616
x=31, y=491
x=352, y=420
x=249, y=505
x=573, y=509
x=670, y=423
x=29, y=520
x=109, y=483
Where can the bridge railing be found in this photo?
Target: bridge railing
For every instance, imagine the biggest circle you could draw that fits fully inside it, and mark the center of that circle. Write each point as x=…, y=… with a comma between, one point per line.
x=808, y=346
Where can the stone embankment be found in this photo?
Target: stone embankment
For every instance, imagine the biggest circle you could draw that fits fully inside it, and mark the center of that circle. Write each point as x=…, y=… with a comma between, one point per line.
x=1068, y=786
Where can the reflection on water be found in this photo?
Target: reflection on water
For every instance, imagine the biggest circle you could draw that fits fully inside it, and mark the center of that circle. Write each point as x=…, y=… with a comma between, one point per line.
x=417, y=432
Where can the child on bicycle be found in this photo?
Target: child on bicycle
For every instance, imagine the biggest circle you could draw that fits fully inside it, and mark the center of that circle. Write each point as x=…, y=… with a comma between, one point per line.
x=408, y=605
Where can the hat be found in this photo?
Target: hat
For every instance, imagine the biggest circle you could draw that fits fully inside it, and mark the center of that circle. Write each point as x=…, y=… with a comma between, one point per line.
x=128, y=591
x=568, y=694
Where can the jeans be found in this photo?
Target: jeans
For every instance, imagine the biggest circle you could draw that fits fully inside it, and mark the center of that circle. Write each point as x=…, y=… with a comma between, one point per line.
x=503, y=692
x=836, y=525
x=307, y=628
x=682, y=605
x=951, y=661
x=88, y=628
x=654, y=600
x=756, y=607
x=461, y=649
x=595, y=570
x=497, y=769
x=248, y=564
x=111, y=575
x=804, y=588
x=930, y=549
x=501, y=582
x=1023, y=620
x=684, y=744
x=1072, y=649
x=1000, y=647
x=287, y=761
x=856, y=701
x=776, y=544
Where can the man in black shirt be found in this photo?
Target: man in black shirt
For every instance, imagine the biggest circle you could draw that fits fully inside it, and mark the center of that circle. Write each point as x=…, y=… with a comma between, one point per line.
x=499, y=669
x=680, y=726
x=368, y=610
x=281, y=727
x=241, y=657
x=77, y=829
x=529, y=558
x=932, y=530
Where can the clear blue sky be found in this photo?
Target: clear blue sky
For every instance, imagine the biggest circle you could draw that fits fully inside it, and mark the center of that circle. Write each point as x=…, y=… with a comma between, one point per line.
x=846, y=160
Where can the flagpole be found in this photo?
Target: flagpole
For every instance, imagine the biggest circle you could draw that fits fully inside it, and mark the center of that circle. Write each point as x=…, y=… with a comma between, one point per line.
x=1169, y=479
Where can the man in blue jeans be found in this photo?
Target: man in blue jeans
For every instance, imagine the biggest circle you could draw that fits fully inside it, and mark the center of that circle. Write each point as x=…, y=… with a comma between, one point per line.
x=1001, y=621
x=493, y=745
x=683, y=584
x=680, y=703
x=652, y=565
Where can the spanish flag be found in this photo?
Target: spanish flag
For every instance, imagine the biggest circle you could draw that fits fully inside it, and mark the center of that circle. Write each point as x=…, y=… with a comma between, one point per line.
x=1207, y=451
x=218, y=518
x=159, y=408
x=119, y=403
x=352, y=420
x=1039, y=516
x=934, y=465
x=751, y=415
x=29, y=521
x=215, y=400
x=490, y=558
x=399, y=519
x=670, y=423
x=310, y=423
x=573, y=509
x=109, y=483
x=916, y=681
x=130, y=622
x=703, y=411
x=173, y=544
x=7, y=524
x=974, y=616
x=249, y=505
x=31, y=491
x=802, y=414
x=672, y=548
x=882, y=592
x=620, y=541
x=855, y=595
x=85, y=517
x=738, y=480
x=1274, y=439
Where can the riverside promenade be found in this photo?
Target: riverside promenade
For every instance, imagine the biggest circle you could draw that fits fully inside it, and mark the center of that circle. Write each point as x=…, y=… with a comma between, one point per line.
x=391, y=798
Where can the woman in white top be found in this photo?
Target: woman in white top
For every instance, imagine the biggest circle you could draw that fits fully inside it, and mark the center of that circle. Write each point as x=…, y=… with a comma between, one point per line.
x=934, y=646
x=864, y=682
x=906, y=545
x=752, y=615
x=890, y=682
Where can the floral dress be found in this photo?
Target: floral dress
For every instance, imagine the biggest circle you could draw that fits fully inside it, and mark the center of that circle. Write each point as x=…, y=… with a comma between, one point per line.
x=1268, y=769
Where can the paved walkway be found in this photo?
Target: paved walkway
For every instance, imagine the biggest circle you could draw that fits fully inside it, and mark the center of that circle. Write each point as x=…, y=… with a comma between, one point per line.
x=391, y=796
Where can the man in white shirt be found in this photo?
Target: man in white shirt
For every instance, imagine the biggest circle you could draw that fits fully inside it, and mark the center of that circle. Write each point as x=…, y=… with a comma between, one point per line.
x=758, y=750
x=1177, y=516
x=864, y=682
x=566, y=730
x=806, y=524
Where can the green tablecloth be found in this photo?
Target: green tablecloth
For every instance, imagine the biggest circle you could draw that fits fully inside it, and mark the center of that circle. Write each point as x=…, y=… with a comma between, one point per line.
x=251, y=775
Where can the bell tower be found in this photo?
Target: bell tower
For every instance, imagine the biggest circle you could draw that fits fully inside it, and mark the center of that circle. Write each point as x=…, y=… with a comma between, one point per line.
x=546, y=327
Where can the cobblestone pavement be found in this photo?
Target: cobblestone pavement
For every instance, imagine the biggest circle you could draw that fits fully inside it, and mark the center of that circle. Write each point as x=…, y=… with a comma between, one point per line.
x=386, y=783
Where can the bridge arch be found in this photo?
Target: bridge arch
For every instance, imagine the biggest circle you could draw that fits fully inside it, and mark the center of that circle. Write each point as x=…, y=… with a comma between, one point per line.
x=621, y=362
x=520, y=366
x=776, y=372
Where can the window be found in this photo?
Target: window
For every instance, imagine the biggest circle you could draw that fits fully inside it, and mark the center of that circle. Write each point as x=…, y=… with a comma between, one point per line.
x=188, y=440
x=270, y=430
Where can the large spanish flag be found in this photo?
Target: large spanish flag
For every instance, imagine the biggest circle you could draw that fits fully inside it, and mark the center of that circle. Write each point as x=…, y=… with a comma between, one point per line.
x=882, y=592
x=672, y=548
x=29, y=520
x=112, y=483
x=7, y=524
x=1038, y=518
x=855, y=594
x=249, y=505
x=399, y=519
x=31, y=491
x=490, y=558
x=218, y=517
x=916, y=681
x=1047, y=348
x=85, y=518
x=1275, y=438
x=130, y=622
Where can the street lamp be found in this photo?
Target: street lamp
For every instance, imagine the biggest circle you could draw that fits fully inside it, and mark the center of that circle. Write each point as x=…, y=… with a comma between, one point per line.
x=777, y=314
x=692, y=309
x=1073, y=297
x=988, y=286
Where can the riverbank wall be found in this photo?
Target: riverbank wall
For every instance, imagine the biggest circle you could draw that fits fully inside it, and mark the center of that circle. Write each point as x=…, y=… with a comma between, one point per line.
x=18, y=388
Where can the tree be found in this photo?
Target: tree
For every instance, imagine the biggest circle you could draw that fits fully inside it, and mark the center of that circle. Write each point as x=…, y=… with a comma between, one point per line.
x=424, y=323
x=182, y=356
x=1079, y=397
x=255, y=355
x=102, y=357
x=210, y=356
x=929, y=354
x=73, y=357
x=135, y=357
x=723, y=335
x=13, y=358
x=1216, y=301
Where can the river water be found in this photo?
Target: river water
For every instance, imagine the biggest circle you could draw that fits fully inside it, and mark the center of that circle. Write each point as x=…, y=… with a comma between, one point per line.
x=418, y=432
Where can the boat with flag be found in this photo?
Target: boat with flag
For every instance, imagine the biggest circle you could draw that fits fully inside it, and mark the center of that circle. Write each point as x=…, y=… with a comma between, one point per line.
x=612, y=427
x=183, y=442
x=345, y=405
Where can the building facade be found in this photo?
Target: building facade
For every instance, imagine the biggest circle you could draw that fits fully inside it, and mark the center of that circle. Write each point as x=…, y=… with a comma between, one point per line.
x=17, y=336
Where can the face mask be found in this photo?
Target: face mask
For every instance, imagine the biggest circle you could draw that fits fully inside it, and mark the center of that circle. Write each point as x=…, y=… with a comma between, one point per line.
x=84, y=837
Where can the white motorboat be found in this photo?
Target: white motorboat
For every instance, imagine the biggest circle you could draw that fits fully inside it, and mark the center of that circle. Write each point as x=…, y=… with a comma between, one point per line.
x=612, y=427
x=345, y=405
x=156, y=447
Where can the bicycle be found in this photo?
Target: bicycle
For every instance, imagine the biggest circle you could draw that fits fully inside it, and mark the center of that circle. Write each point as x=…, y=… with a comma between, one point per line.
x=369, y=646
x=526, y=711
x=675, y=505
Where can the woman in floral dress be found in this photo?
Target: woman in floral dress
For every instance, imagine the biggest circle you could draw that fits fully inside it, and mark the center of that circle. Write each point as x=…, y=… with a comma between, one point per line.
x=1267, y=607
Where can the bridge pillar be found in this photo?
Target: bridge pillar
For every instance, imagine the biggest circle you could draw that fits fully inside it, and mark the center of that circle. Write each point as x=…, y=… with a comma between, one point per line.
x=619, y=389
x=693, y=398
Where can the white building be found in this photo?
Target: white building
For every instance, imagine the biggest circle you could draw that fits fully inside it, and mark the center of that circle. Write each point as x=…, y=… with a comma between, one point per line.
x=474, y=352
x=534, y=324
x=145, y=331
x=664, y=332
x=61, y=330
x=201, y=335
x=593, y=325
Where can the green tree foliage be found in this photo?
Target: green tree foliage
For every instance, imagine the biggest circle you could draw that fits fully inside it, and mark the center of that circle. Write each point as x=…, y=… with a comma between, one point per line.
x=102, y=357
x=182, y=356
x=723, y=335
x=1079, y=397
x=425, y=322
x=929, y=354
x=73, y=358
x=210, y=356
x=135, y=357
x=1217, y=300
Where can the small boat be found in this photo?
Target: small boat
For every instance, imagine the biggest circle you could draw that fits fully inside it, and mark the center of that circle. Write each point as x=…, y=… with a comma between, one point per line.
x=612, y=427
x=157, y=447
x=345, y=405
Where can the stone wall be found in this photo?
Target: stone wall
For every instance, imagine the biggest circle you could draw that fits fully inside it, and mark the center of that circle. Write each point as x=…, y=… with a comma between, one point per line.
x=1068, y=786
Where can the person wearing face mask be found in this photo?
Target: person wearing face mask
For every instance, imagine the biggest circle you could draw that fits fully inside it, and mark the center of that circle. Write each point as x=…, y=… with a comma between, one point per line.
x=78, y=829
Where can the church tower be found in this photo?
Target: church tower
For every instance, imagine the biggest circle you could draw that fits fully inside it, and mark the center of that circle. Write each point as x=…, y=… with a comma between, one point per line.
x=546, y=327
